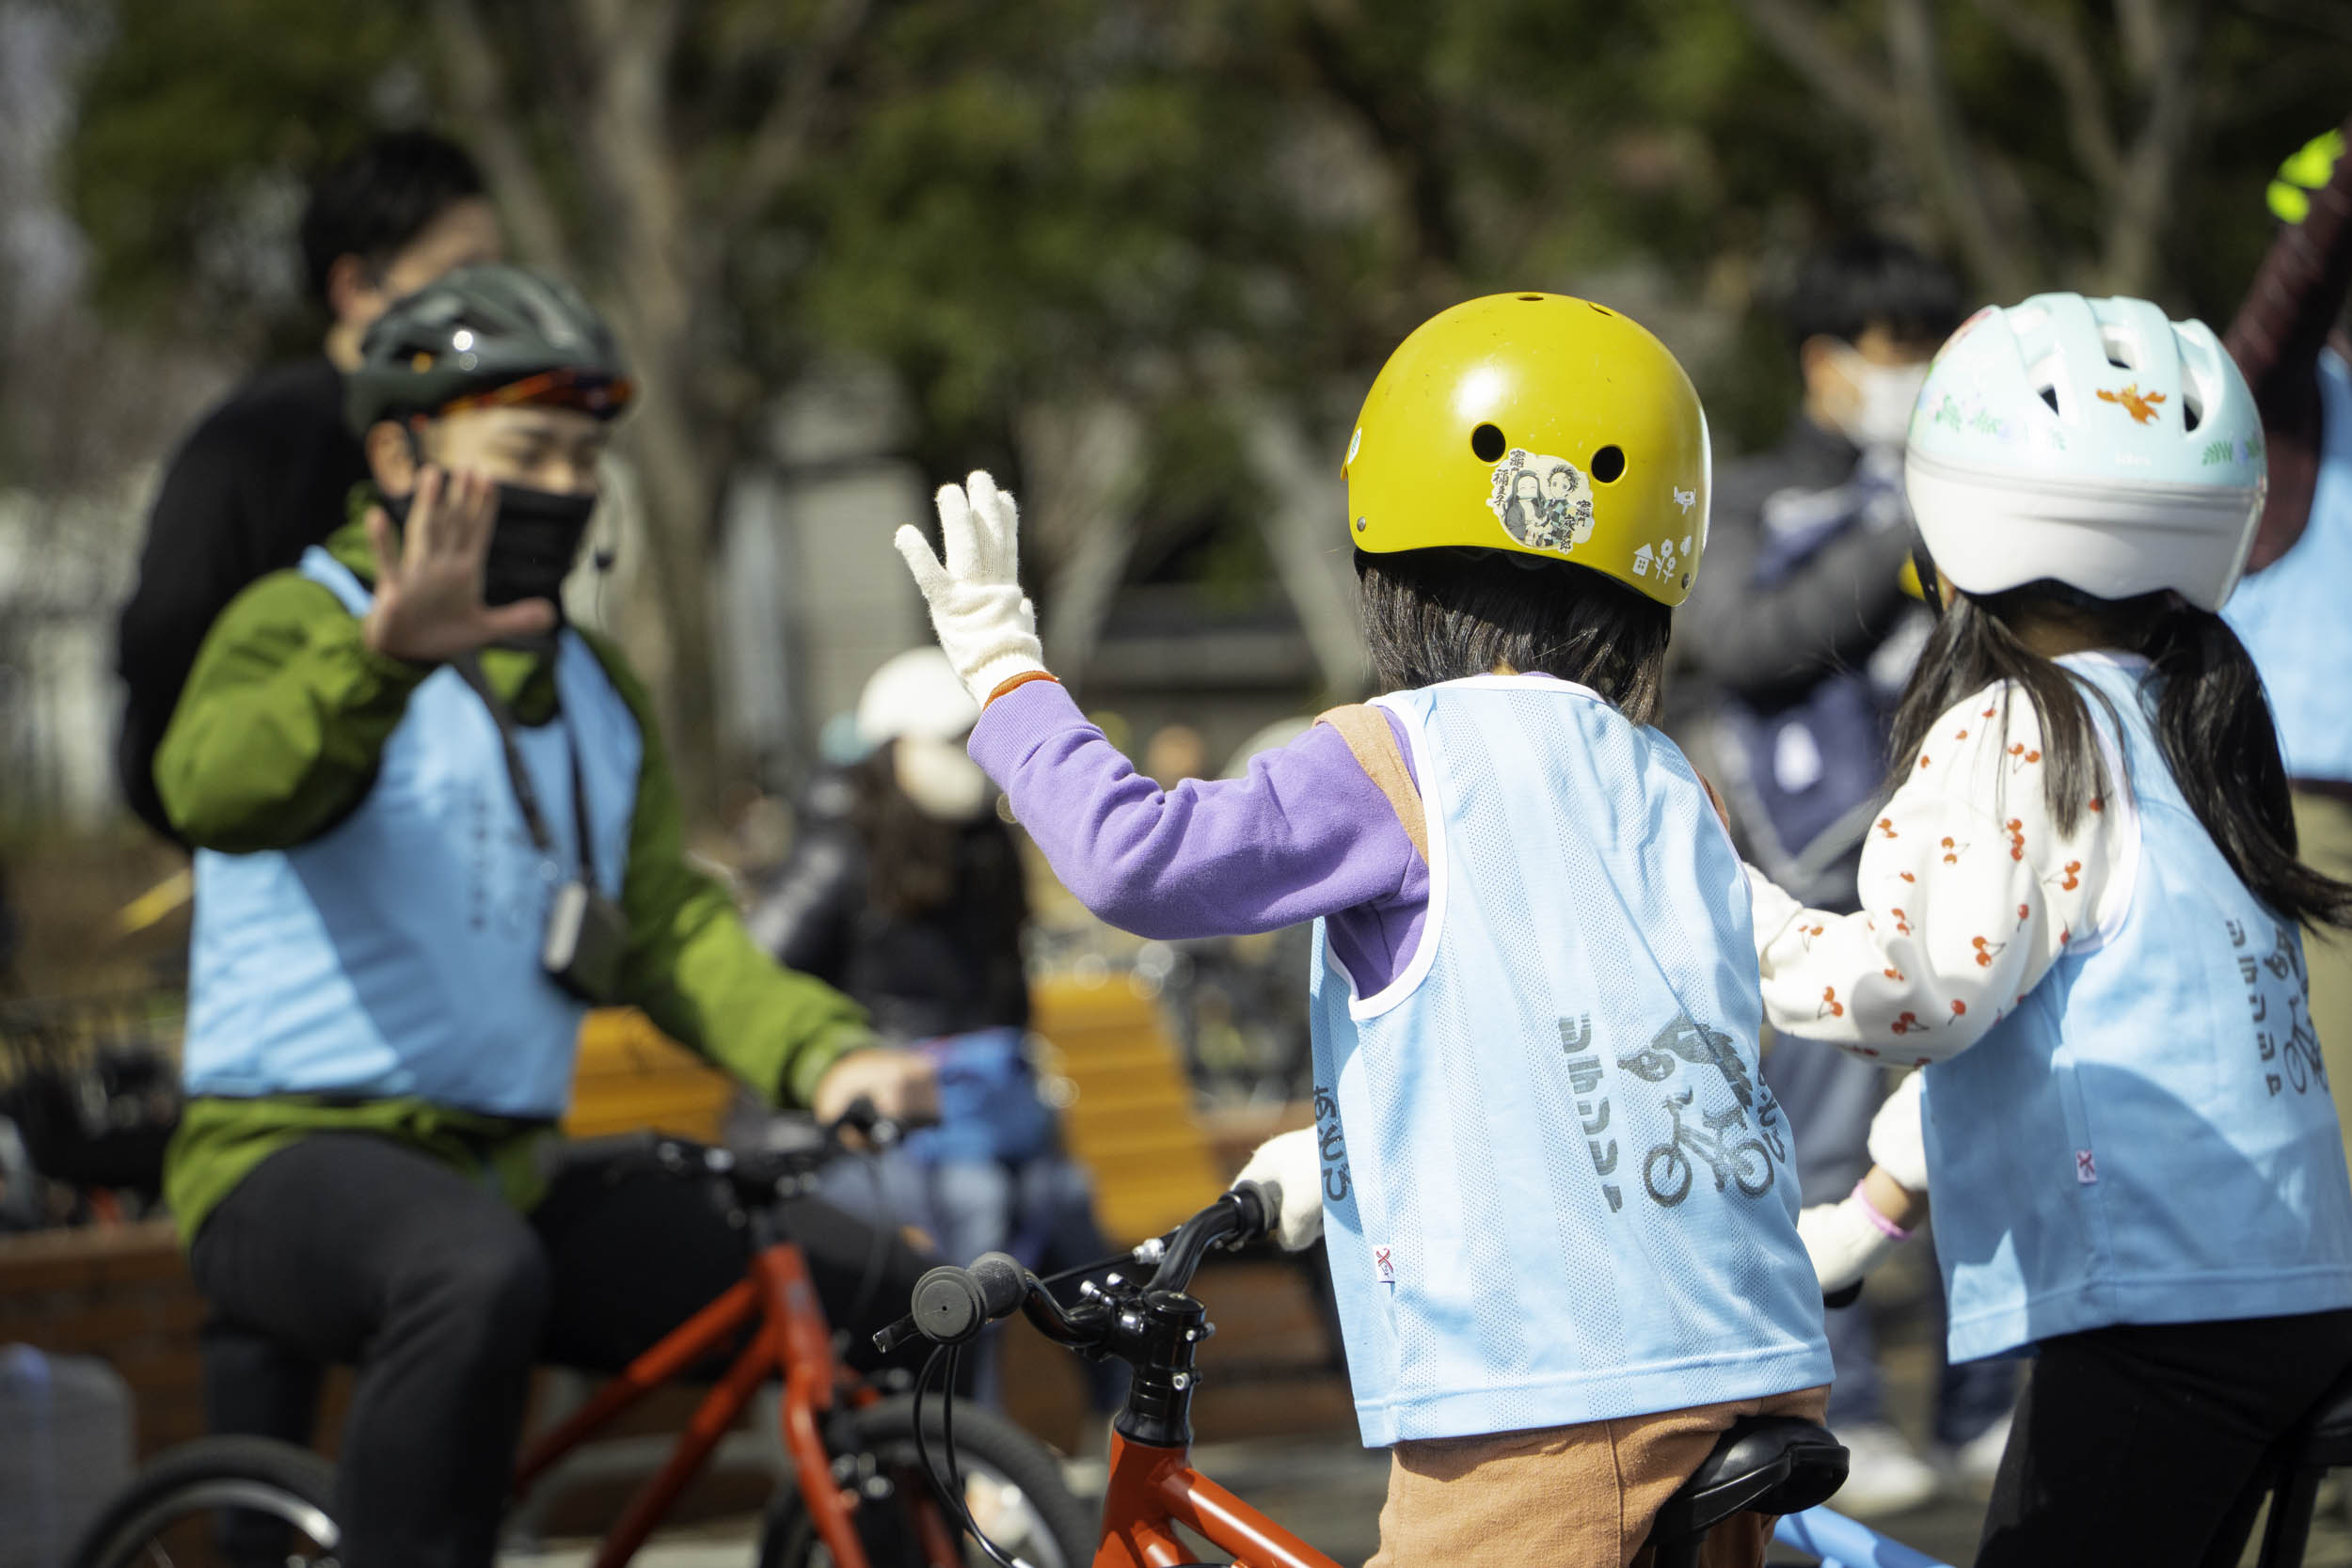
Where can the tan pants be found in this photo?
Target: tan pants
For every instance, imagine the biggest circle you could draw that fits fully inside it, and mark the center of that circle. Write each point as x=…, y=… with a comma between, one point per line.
x=1575, y=1496
x=2323, y=826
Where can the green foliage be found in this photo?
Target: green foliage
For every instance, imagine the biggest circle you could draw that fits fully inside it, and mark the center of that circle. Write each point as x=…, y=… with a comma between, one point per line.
x=1015, y=198
x=190, y=115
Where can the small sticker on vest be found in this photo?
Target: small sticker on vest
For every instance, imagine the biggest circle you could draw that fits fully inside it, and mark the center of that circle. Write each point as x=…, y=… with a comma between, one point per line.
x=1384, y=1265
x=2086, y=1168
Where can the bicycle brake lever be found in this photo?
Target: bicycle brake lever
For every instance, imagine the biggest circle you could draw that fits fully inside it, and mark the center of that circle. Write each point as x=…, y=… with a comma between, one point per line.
x=887, y=1340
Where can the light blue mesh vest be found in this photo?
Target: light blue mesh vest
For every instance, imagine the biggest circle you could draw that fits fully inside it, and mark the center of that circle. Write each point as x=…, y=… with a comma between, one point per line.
x=1555, y=1189
x=397, y=954
x=2291, y=617
x=2149, y=1138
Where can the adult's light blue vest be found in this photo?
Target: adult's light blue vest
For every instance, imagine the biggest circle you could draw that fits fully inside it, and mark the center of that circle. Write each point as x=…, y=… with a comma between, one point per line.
x=2291, y=616
x=397, y=954
x=1555, y=1189
x=2149, y=1138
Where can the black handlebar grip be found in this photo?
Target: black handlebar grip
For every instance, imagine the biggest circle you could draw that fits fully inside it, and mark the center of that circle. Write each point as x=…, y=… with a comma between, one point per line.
x=948, y=1307
x=1002, y=1283
x=1261, y=1204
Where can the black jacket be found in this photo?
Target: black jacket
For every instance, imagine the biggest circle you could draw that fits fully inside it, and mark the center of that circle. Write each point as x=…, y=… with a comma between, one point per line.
x=262, y=479
x=1782, y=630
x=946, y=971
x=1829, y=613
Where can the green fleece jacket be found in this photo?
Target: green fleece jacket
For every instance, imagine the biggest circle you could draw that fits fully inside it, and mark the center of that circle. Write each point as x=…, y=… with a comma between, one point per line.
x=276, y=736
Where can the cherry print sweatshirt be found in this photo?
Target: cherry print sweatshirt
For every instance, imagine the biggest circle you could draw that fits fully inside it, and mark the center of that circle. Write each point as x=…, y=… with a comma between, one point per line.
x=1969, y=894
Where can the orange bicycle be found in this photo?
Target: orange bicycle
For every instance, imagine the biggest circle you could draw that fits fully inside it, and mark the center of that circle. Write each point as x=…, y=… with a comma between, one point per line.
x=853, y=1440
x=1765, y=1465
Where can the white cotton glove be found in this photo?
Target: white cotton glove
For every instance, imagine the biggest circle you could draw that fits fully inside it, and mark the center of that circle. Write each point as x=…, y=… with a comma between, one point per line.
x=986, y=628
x=1845, y=1241
x=1293, y=1162
x=1898, y=1146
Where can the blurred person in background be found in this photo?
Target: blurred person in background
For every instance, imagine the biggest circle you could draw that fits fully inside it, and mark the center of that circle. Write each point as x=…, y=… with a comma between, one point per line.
x=1174, y=753
x=264, y=476
x=1804, y=635
x=905, y=890
x=2289, y=609
x=261, y=478
x=397, y=765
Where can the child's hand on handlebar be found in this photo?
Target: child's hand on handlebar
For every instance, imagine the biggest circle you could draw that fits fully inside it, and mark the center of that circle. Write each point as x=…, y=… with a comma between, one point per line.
x=902, y=1086
x=1291, y=1164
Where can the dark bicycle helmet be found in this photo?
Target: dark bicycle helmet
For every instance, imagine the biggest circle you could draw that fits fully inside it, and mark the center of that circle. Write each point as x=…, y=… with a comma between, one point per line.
x=492, y=333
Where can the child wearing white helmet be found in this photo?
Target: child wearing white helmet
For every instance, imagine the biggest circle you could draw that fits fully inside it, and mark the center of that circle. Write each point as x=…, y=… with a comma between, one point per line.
x=2080, y=918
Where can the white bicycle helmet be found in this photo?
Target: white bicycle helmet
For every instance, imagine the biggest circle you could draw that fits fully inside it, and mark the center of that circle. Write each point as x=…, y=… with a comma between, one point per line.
x=2089, y=440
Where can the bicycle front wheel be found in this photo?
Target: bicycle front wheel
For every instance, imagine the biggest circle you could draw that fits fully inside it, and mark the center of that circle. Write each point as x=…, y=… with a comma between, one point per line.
x=1012, y=1481
x=250, y=1500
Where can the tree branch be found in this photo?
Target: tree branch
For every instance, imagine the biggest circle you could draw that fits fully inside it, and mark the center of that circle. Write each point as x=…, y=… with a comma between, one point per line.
x=1800, y=35
x=2053, y=38
x=2142, y=24
x=780, y=140
x=478, y=92
x=2142, y=205
x=1402, y=126
x=1930, y=124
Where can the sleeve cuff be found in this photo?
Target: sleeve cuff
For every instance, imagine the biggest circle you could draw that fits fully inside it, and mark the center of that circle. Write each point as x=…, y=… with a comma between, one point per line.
x=1014, y=724
x=809, y=1067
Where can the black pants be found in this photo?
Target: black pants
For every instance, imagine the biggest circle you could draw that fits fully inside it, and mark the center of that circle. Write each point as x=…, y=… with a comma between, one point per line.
x=346, y=1247
x=2145, y=1443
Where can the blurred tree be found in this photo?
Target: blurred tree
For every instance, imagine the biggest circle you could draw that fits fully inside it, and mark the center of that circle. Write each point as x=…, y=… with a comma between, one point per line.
x=1142, y=258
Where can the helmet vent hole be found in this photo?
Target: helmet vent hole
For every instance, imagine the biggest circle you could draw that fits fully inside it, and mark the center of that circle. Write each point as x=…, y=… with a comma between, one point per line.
x=1487, y=443
x=2192, y=411
x=1602, y=308
x=1533, y=299
x=1609, y=465
x=2123, y=351
x=2049, y=395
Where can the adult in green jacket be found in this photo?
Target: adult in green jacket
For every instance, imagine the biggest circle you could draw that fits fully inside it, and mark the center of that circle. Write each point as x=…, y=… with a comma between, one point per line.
x=433, y=824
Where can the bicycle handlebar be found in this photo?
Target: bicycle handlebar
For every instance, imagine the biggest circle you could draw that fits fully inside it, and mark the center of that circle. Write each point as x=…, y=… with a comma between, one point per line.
x=757, y=1176
x=952, y=1304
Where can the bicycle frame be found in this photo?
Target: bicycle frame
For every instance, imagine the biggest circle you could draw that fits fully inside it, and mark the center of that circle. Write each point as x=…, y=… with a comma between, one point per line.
x=1843, y=1543
x=777, y=1300
x=1154, y=1489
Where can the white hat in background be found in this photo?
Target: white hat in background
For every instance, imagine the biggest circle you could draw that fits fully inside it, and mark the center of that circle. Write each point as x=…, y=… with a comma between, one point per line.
x=914, y=693
x=917, y=700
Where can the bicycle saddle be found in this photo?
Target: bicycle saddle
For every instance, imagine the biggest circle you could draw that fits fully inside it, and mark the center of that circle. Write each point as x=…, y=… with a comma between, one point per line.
x=1765, y=1464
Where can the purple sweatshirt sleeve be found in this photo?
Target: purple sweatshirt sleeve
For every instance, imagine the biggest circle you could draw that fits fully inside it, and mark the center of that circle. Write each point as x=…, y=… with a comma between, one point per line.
x=1305, y=833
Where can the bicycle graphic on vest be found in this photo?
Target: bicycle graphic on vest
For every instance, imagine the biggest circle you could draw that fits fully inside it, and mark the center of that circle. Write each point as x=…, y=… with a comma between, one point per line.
x=1744, y=1160
x=1666, y=1169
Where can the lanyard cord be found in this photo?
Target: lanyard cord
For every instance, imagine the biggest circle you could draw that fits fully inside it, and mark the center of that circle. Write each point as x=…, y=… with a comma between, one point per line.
x=468, y=667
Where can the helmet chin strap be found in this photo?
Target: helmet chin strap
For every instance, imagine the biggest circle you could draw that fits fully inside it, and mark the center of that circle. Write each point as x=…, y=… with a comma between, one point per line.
x=1930, y=585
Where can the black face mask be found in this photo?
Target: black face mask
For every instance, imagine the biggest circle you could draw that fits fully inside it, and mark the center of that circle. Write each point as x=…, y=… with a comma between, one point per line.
x=533, y=543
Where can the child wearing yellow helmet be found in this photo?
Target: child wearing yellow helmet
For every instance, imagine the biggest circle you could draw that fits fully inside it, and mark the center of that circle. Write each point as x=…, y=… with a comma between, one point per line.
x=1561, y=1216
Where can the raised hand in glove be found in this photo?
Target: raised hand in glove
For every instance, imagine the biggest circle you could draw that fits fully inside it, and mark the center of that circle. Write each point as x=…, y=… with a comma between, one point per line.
x=985, y=628
x=1291, y=1162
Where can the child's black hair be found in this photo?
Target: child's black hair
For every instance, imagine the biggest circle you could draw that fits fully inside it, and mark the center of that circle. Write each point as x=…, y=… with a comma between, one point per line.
x=2211, y=720
x=1440, y=614
x=1843, y=289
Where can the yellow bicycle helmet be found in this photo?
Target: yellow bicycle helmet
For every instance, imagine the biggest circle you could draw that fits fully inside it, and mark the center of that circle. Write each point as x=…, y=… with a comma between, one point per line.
x=1541, y=425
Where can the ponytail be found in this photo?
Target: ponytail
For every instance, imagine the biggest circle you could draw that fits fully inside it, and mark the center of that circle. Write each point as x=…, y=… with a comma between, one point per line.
x=2212, y=724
